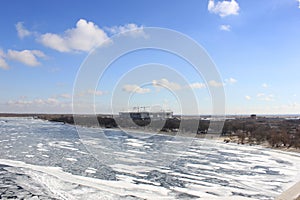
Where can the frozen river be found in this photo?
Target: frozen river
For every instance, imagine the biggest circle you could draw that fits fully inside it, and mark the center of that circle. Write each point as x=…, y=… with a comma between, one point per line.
x=46, y=160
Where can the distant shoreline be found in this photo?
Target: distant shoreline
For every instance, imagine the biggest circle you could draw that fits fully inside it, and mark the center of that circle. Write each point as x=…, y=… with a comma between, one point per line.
x=236, y=130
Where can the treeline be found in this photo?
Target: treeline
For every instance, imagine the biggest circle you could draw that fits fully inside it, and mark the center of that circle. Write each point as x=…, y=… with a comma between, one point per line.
x=83, y=120
x=278, y=132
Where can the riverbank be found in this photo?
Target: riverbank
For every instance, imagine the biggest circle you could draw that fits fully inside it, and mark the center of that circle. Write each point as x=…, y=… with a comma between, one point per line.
x=207, y=161
x=279, y=133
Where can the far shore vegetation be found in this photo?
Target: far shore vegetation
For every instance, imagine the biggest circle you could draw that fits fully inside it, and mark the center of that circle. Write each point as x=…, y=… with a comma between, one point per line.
x=275, y=132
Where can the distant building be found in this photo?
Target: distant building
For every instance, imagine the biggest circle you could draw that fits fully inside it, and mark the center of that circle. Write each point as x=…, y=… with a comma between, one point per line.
x=146, y=115
x=253, y=116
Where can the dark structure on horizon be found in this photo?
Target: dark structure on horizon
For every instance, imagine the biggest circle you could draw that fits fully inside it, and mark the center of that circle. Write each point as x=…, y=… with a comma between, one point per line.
x=140, y=113
x=147, y=115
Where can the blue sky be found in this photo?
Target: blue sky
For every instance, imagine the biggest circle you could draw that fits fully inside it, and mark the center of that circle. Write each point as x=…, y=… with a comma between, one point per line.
x=254, y=44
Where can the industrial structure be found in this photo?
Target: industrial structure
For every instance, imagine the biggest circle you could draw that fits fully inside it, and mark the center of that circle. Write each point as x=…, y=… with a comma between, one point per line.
x=142, y=113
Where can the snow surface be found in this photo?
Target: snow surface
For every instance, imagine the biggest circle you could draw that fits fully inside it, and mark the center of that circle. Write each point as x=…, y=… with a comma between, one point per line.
x=110, y=164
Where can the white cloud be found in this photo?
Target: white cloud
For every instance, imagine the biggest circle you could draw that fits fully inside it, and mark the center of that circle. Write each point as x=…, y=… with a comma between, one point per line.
x=214, y=83
x=135, y=89
x=3, y=63
x=231, y=81
x=264, y=85
x=247, y=97
x=55, y=42
x=197, y=85
x=223, y=8
x=35, y=102
x=128, y=29
x=84, y=37
x=265, y=97
x=90, y=92
x=2, y=54
x=260, y=94
x=51, y=101
x=37, y=105
x=95, y=92
x=268, y=98
x=27, y=57
x=166, y=83
x=22, y=31
x=65, y=96
x=225, y=27
x=19, y=102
